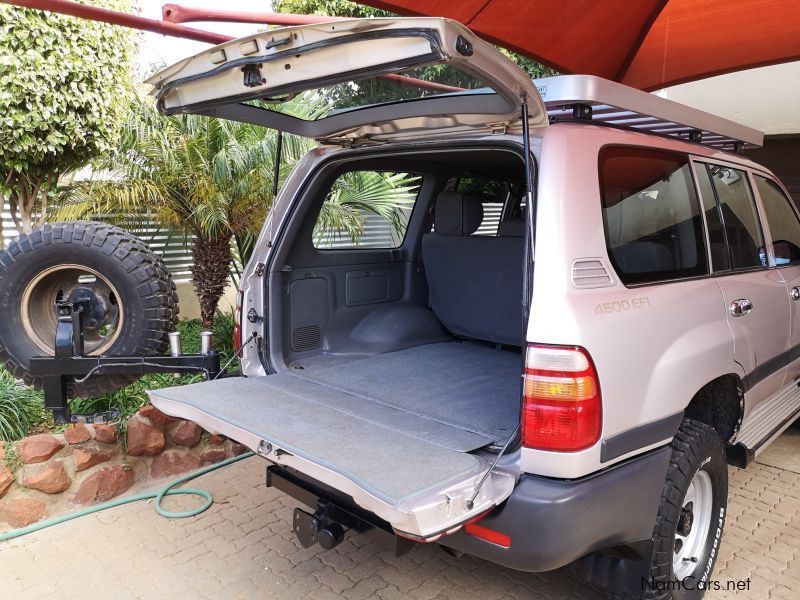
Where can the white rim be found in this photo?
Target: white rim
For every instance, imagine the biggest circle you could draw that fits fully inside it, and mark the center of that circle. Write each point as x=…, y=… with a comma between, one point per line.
x=694, y=523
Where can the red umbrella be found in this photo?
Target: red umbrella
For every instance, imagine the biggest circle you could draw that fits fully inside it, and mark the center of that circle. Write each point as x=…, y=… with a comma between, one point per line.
x=647, y=44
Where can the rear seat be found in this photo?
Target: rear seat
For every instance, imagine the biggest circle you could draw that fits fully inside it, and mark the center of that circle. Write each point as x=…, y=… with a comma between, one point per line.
x=475, y=282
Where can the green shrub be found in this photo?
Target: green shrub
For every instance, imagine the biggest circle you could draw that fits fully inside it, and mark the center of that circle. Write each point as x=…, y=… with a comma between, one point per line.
x=21, y=408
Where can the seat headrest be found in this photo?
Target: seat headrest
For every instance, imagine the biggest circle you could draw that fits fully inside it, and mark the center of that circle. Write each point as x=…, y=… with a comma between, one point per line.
x=512, y=228
x=457, y=214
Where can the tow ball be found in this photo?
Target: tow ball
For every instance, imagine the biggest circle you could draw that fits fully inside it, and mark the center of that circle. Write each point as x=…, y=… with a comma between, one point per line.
x=317, y=528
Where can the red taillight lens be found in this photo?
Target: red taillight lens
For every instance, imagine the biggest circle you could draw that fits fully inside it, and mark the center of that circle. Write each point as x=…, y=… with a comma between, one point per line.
x=237, y=323
x=561, y=405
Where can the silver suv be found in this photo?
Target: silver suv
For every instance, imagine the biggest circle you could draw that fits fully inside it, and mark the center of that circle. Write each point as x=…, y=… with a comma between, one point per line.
x=580, y=307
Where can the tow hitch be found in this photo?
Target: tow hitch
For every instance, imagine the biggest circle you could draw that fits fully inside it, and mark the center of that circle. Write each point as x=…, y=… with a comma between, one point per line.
x=333, y=514
x=69, y=360
x=318, y=527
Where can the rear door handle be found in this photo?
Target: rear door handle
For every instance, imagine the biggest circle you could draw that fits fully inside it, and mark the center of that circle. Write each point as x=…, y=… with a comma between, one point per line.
x=741, y=307
x=795, y=293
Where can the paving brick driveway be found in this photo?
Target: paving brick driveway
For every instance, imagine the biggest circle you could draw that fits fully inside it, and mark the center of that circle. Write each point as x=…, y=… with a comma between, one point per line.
x=243, y=547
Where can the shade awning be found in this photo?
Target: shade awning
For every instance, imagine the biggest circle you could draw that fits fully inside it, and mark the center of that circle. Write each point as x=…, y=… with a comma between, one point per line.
x=646, y=44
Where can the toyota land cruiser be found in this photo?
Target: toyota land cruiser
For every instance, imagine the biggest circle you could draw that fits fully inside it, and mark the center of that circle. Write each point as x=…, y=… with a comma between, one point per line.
x=581, y=308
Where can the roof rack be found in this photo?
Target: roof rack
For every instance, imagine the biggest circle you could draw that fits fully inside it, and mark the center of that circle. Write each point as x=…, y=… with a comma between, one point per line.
x=588, y=98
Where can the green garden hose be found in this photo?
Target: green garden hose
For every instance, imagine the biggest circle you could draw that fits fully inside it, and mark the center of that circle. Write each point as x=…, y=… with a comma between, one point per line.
x=159, y=496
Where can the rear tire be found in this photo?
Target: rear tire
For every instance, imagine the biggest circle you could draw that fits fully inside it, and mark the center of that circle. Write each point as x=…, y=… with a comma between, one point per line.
x=137, y=303
x=691, y=516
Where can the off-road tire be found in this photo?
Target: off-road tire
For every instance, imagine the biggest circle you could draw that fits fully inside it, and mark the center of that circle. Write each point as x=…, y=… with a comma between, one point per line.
x=695, y=447
x=143, y=282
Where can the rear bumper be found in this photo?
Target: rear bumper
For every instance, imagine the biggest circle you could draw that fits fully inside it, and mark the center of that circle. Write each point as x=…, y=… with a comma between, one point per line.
x=552, y=523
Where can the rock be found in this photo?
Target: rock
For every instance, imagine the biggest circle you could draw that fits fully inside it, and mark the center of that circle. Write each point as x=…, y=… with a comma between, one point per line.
x=144, y=440
x=86, y=457
x=212, y=455
x=174, y=462
x=185, y=433
x=21, y=512
x=105, y=484
x=38, y=448
x=6, y=479
x=216, y=440
x=77, y=434
x=106, y=433
x=52, y=480
x=235, y=449
x=156, y=416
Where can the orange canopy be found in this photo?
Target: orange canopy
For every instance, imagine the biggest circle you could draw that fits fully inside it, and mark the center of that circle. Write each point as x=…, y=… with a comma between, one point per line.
x=647, y=44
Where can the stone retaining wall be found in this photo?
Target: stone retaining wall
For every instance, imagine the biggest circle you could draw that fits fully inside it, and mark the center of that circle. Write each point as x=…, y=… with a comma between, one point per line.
x=45, y=475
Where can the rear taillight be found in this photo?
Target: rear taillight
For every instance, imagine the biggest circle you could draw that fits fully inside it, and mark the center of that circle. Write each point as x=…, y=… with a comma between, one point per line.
x=561, y=406
x=237, y=323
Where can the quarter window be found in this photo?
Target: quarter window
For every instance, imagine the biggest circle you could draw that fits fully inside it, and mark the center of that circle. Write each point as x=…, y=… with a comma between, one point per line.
x=652, y=220
x=366, y=209
x=782, y=220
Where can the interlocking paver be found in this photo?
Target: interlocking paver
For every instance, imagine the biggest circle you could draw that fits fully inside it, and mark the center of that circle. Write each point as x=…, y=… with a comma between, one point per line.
x=243, y=547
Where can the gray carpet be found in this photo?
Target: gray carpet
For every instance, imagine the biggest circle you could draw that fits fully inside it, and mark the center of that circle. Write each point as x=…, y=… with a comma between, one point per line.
x=287, y=412
x=467, y=385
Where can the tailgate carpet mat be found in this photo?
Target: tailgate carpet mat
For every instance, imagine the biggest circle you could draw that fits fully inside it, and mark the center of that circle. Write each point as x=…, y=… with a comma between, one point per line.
x=290, y=413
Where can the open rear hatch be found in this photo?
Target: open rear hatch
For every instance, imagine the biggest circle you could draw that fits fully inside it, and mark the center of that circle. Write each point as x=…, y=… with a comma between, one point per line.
x=399, y=466
x=355, y=82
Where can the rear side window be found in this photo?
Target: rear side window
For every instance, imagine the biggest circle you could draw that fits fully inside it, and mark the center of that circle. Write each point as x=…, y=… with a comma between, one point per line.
x=652, y=220
x=366, y=209
x=782, y=221
x=739, y=217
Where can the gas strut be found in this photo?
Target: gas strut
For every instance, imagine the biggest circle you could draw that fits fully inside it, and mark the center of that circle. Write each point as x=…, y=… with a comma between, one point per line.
x=471, y=502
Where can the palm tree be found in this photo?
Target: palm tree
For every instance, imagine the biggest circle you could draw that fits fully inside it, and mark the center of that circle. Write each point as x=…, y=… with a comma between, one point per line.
x=213, y=180
x=209, y=178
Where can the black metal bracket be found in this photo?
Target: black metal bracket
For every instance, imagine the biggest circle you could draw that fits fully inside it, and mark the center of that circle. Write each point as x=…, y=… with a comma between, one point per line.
x=70, y=363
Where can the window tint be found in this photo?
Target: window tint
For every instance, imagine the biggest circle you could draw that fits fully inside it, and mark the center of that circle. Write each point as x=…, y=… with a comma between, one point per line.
x=366, y=209
x=720, y=258
x=741, y=224
x=652, y=220
x=782, y=221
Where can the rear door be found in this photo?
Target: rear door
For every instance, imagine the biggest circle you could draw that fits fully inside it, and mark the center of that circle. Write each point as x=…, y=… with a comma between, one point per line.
x=756, y=301
x=356, y=82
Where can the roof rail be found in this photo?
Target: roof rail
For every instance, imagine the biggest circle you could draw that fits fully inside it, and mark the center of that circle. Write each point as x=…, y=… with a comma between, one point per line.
x=590, y=98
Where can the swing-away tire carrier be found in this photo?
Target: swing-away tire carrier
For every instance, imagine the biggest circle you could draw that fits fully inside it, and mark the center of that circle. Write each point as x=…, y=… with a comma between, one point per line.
x=601, y=523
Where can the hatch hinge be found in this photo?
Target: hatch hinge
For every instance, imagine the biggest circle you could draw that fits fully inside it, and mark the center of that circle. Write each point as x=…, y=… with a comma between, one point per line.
x=498, y=128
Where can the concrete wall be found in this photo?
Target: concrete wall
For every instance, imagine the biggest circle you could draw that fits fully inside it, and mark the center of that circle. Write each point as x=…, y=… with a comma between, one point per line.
x=767, y=98
x=189, y=305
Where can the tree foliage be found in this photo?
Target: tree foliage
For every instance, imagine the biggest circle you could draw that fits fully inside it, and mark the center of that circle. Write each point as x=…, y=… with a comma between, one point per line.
x=64, y=85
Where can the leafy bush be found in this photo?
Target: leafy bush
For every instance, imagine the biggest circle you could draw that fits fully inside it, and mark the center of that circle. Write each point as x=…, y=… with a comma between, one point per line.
x=21, y=408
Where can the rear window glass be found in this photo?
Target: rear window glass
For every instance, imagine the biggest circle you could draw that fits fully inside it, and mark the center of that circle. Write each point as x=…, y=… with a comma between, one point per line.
x=407, y=85
x=366, y=209
x=652, y=221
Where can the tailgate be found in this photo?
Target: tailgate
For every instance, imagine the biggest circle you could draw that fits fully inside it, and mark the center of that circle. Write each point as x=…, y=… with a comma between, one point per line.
x=418, y=486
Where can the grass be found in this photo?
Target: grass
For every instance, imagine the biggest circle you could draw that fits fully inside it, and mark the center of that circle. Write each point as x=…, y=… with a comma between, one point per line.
x=22, y=409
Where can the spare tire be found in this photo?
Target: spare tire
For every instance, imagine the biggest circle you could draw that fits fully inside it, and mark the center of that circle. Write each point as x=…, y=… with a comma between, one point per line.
x=133, y=300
